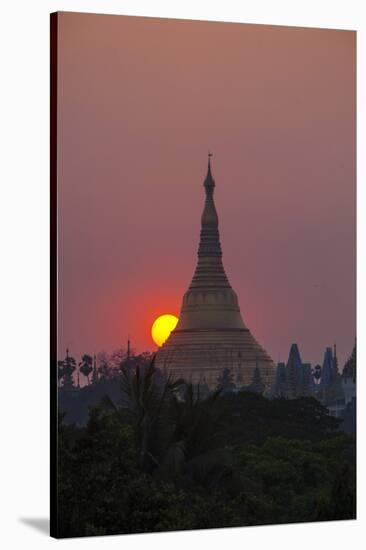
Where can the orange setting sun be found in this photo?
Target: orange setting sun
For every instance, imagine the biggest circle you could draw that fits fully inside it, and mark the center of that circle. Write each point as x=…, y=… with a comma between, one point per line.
x=162, y=327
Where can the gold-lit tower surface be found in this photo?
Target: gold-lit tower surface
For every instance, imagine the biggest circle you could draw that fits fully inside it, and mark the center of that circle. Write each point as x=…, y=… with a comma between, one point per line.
x=211, y=335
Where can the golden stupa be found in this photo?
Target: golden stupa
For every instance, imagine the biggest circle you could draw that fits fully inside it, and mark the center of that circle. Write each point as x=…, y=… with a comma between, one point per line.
x=211, y=335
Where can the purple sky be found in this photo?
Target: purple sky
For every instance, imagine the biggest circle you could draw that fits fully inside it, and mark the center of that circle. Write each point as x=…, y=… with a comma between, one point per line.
x=141, y=102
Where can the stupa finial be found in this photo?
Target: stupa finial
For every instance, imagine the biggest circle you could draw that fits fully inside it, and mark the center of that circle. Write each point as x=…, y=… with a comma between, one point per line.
x=209, y=181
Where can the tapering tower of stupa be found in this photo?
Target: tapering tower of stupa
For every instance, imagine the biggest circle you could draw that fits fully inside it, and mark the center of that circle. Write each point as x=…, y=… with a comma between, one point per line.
x=211, y=335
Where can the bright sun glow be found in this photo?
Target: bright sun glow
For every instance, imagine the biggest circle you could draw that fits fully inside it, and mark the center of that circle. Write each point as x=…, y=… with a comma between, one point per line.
x=162, y=327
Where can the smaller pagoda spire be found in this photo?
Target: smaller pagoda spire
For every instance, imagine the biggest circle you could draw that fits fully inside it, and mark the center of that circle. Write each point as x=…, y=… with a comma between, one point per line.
x=128, y=348
x=335, y=359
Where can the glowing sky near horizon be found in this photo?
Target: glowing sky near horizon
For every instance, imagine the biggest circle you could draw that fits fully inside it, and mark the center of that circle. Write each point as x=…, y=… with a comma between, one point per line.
x=141, y=101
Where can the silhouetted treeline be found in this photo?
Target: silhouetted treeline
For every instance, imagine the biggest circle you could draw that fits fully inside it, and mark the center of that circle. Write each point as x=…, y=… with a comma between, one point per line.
x=169, y=460
x=73, y=375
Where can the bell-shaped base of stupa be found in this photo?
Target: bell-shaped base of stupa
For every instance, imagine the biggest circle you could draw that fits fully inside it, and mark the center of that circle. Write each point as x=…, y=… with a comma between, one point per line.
x=199, y=356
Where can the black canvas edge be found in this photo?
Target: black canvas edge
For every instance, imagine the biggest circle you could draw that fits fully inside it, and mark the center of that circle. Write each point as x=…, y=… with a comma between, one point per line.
x=53, y=275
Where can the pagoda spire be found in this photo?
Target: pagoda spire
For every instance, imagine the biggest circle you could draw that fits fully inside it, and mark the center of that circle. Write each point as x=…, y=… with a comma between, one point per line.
x=128, y=348
x=210, y=283
x=335, y=359
x=210, y=270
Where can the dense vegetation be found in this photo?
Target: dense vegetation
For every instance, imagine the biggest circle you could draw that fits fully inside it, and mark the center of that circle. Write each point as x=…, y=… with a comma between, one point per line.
x=171, y=460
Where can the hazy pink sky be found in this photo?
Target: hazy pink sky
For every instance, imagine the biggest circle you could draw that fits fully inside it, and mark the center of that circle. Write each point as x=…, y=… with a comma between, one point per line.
x=141, y=102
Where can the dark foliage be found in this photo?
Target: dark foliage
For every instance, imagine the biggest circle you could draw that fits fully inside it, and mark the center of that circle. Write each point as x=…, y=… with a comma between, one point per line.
x=167, y=463
x=86, y=366
x=66, y=370
x=252, y=418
